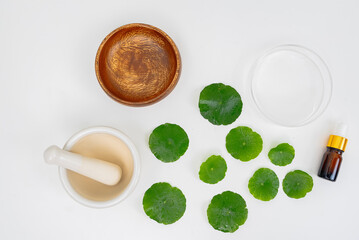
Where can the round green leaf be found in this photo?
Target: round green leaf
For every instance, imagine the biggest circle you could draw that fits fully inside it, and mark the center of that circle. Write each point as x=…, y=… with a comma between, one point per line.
x=227, y=211
x=213, y=169
x=168, y=142
x=282, y=155
x=164, y=203
x=297, y=184
x=264, y=184
x=243, y=143
x=220, y=104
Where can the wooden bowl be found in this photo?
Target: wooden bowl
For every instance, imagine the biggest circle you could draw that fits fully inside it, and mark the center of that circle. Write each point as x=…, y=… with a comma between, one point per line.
x=138, y=64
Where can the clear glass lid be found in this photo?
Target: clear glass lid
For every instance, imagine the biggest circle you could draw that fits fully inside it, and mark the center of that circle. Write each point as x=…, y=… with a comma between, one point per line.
x=291, y=85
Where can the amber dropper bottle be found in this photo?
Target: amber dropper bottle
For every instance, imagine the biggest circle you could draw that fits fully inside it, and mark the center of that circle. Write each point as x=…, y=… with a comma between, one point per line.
x=332, y=158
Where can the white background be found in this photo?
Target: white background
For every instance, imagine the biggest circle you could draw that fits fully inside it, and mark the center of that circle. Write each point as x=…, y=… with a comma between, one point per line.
x=49, y=91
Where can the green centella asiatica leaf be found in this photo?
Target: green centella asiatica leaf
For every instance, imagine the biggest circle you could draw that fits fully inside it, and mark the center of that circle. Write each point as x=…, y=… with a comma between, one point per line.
x=220, y=104
x=213, y=169
x=264, y=184
x=168, y=142
x=227, y=211
x=297, y=184
x=164, y=203
x=282, y=155
x=243, y=143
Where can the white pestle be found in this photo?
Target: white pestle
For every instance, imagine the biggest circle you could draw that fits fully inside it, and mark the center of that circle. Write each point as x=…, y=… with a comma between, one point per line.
x=96, y=169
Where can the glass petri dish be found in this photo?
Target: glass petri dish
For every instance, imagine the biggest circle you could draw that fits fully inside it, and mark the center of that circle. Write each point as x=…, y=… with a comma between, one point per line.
x=291, y=85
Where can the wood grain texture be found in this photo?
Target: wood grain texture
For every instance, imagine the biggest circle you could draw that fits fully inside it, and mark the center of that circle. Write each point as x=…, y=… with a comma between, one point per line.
x=138, y=64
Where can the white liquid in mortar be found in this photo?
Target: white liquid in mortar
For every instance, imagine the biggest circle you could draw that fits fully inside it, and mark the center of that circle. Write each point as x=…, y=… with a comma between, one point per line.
x=108, y=148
